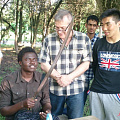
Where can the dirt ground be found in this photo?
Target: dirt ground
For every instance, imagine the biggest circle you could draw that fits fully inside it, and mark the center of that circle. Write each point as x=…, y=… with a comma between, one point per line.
x=8, y=63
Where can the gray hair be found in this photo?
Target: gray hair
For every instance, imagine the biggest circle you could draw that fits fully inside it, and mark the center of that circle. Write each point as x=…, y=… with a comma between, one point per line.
x=61, y=13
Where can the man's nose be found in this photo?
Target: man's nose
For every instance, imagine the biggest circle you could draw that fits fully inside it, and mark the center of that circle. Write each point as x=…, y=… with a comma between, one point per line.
x=92, y=26
x=104, y=27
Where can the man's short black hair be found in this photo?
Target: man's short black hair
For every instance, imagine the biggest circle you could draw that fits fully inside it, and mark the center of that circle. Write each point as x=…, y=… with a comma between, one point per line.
x=111, y=12
x=23, y=51
x=93, y=17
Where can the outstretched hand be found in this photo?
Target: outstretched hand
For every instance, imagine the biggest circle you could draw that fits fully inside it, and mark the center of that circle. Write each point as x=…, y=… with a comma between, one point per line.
x=44, y=114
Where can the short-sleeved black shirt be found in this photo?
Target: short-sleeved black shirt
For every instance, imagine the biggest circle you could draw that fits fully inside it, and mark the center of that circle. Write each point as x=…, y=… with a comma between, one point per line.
x=106, y=66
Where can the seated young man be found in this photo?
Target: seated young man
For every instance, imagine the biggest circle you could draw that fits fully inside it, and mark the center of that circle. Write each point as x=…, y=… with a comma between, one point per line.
x=18, y=88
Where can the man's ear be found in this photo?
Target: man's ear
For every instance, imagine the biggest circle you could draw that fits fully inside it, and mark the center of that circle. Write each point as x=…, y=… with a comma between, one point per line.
x=20, y=63
x=118, y=24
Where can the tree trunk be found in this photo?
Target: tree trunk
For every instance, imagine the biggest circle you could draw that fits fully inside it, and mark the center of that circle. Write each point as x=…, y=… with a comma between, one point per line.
x=1, y=19
x=35, y=29
x=20, y=25
x=16, y=36
x=107, y=4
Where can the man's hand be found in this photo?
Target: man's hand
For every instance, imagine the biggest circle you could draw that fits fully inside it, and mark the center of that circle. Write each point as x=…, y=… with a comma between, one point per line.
x=29, y=103
x=64, y=80
x=44, y=114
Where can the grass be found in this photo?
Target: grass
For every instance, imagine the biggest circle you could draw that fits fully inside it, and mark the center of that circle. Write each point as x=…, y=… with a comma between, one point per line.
x=7, y=46
x=2, y=118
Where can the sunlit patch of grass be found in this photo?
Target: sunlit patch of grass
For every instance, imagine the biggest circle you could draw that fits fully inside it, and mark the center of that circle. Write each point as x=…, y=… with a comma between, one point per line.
x=12, y=68
x=1, y=78
x=39, y=68
x=1, y=117
x=87, y=107
x=7, y=46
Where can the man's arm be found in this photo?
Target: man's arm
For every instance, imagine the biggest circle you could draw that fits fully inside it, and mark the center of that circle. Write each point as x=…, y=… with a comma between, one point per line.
x=64, y=80
x=46, y=66
x=80, y=69
x=67, y=79
x=10, y=110
x=46, y=107
x=0, y=60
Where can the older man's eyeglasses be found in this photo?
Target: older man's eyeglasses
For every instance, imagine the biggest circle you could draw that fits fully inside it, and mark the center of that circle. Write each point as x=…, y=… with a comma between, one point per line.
x=61, y=29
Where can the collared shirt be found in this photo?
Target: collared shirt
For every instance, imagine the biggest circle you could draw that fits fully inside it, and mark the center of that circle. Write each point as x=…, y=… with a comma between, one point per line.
x=14, y=89
x=78, y=51
x=89, y=73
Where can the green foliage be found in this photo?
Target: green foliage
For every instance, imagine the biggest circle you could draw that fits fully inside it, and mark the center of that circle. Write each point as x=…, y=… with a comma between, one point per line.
x=7, y=46
x=1, y=117
x=1, y=78
x=13, y=25
x=12, y=69
x=37, y=13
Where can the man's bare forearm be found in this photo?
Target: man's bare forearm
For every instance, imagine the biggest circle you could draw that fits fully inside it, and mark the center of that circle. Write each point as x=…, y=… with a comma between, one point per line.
x=80, y=70
x=10, y=110
x=46, y=66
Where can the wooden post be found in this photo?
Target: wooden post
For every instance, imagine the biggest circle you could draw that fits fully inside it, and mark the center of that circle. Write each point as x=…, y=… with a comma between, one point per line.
x=64, y=117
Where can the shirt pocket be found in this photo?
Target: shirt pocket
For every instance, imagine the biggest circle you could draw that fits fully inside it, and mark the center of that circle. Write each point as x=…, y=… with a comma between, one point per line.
x=18, y=94
x=76, y=55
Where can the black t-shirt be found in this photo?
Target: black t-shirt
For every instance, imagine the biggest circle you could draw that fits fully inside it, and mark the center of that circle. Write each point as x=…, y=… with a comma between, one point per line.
x=106, y=67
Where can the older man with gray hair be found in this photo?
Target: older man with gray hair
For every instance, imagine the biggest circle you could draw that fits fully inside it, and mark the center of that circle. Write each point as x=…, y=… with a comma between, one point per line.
x=67, y=81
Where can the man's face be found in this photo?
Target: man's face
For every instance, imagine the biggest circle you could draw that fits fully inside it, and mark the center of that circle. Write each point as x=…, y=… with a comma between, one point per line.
x=62, y=27
x=29, y=62
x=110, y=27
x=91, y=26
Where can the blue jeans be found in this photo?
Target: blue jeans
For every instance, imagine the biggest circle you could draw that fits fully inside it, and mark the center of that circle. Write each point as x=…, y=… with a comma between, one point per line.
x=74, y=104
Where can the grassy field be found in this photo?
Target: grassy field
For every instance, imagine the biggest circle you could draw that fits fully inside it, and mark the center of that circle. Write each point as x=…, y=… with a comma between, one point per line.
x=9, y=64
